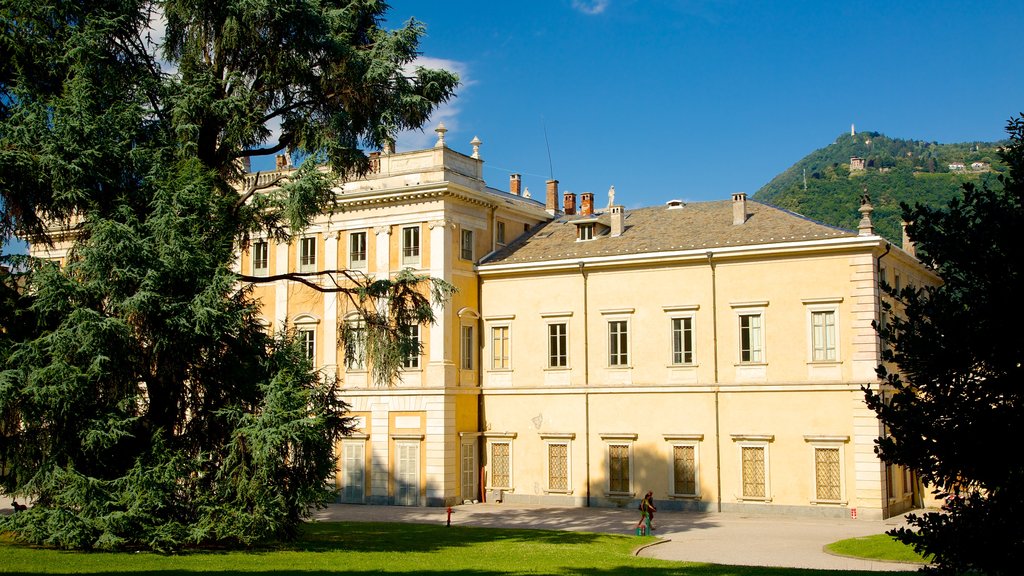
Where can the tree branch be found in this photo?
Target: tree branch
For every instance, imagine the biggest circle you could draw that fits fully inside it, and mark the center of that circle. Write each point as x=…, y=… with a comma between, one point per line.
x=257, y=187
x=304, y=278
x=281, y=145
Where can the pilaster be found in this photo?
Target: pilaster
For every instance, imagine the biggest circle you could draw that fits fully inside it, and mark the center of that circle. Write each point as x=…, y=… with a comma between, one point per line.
x=869, y=471
x=330, y=337
x=379, y=457
x=281, y=250
x=441, y=369
x=383, y=250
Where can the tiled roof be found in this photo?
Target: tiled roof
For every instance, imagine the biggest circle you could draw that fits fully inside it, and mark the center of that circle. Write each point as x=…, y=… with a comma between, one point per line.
x=662, y=229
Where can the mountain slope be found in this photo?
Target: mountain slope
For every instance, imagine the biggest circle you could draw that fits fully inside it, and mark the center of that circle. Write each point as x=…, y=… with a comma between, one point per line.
x=823, y=187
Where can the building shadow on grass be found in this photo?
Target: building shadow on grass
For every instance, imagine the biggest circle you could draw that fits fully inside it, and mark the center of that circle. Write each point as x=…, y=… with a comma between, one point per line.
x=402, y=537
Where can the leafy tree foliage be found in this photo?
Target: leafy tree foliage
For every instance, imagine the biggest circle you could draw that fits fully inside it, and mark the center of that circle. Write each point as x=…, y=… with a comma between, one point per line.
x=141, y=402
x=957, y=403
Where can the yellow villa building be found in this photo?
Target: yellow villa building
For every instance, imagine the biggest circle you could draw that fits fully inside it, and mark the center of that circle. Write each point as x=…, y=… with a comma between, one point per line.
x=712, y=352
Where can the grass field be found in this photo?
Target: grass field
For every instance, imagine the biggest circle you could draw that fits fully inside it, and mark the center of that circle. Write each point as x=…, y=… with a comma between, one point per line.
x=877, y=547
x=357, y=548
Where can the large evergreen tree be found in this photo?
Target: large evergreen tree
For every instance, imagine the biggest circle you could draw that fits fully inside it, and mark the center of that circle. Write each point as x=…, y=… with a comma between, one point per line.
x=141, y=402
x=955, y=409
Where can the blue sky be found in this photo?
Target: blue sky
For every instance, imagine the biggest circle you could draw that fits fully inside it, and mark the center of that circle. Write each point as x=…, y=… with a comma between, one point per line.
x=697, y=99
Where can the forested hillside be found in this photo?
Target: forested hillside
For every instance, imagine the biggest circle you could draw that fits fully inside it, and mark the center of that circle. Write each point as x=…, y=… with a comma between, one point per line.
x=822, y=185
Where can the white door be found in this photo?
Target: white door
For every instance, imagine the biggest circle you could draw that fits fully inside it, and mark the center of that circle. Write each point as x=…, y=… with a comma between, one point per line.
x=469, y=471
x=353, y=467
x=407, y=475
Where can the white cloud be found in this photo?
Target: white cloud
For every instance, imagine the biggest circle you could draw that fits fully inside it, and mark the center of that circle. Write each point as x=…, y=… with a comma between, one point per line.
x=153, y=39
x=447, y=112
x=591, y=7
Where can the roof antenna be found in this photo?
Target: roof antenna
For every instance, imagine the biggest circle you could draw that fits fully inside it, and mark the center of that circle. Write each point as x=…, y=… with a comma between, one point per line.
x=551, y=168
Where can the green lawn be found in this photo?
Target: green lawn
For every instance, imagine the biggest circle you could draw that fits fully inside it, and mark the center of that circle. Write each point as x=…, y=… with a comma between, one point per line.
x=877, y=547
x=357, y=548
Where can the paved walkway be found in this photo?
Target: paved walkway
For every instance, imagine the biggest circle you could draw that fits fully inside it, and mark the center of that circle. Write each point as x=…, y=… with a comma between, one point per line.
x=724, y=538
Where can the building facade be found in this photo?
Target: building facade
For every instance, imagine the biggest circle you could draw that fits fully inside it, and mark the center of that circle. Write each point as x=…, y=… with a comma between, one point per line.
x=713, y=353
x=429, y=211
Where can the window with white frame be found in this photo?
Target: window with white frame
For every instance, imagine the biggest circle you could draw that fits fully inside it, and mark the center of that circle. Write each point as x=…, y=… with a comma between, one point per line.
x=355, y=344
x=618, y=343
x=467, y=244
x=260, y=258
x=501, y=347
x=307, y=340
x=620, y=463
x=357, y=250
x=500, y=462
x=412, y=359
x=305, y=334
x=468, y=347
x=307, y=254
x=558, y=345
x=682, y=340
x=828, y=468
x=751, y=325
x=823, y=335
x=823, y=332
x=754, y=467
x=586, y=231
x=411, y=245
x=684, y=479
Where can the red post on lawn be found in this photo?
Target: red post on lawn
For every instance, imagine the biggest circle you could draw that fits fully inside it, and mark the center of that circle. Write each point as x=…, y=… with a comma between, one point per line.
x=449, y=516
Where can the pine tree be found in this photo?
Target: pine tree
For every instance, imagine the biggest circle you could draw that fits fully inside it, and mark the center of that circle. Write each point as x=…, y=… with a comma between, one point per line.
x=141, y=402
x=956, y=404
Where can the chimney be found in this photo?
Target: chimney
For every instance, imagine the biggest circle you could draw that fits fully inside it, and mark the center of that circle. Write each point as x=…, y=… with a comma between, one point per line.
x=739, y=208
x=570, y=203
x=618, y=216
x=551, y=205
x=587, y=204
x=908, y=245
x=514, y=184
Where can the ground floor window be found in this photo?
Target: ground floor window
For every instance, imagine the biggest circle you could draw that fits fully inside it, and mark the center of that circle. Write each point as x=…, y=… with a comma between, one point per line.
x=558, y=467
x=500, y=464
x=827, y=479
x=753, y=471
x=755, y=481
x=620, y=463
x=559, y=461
x=618, y=467
x=828, y=468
